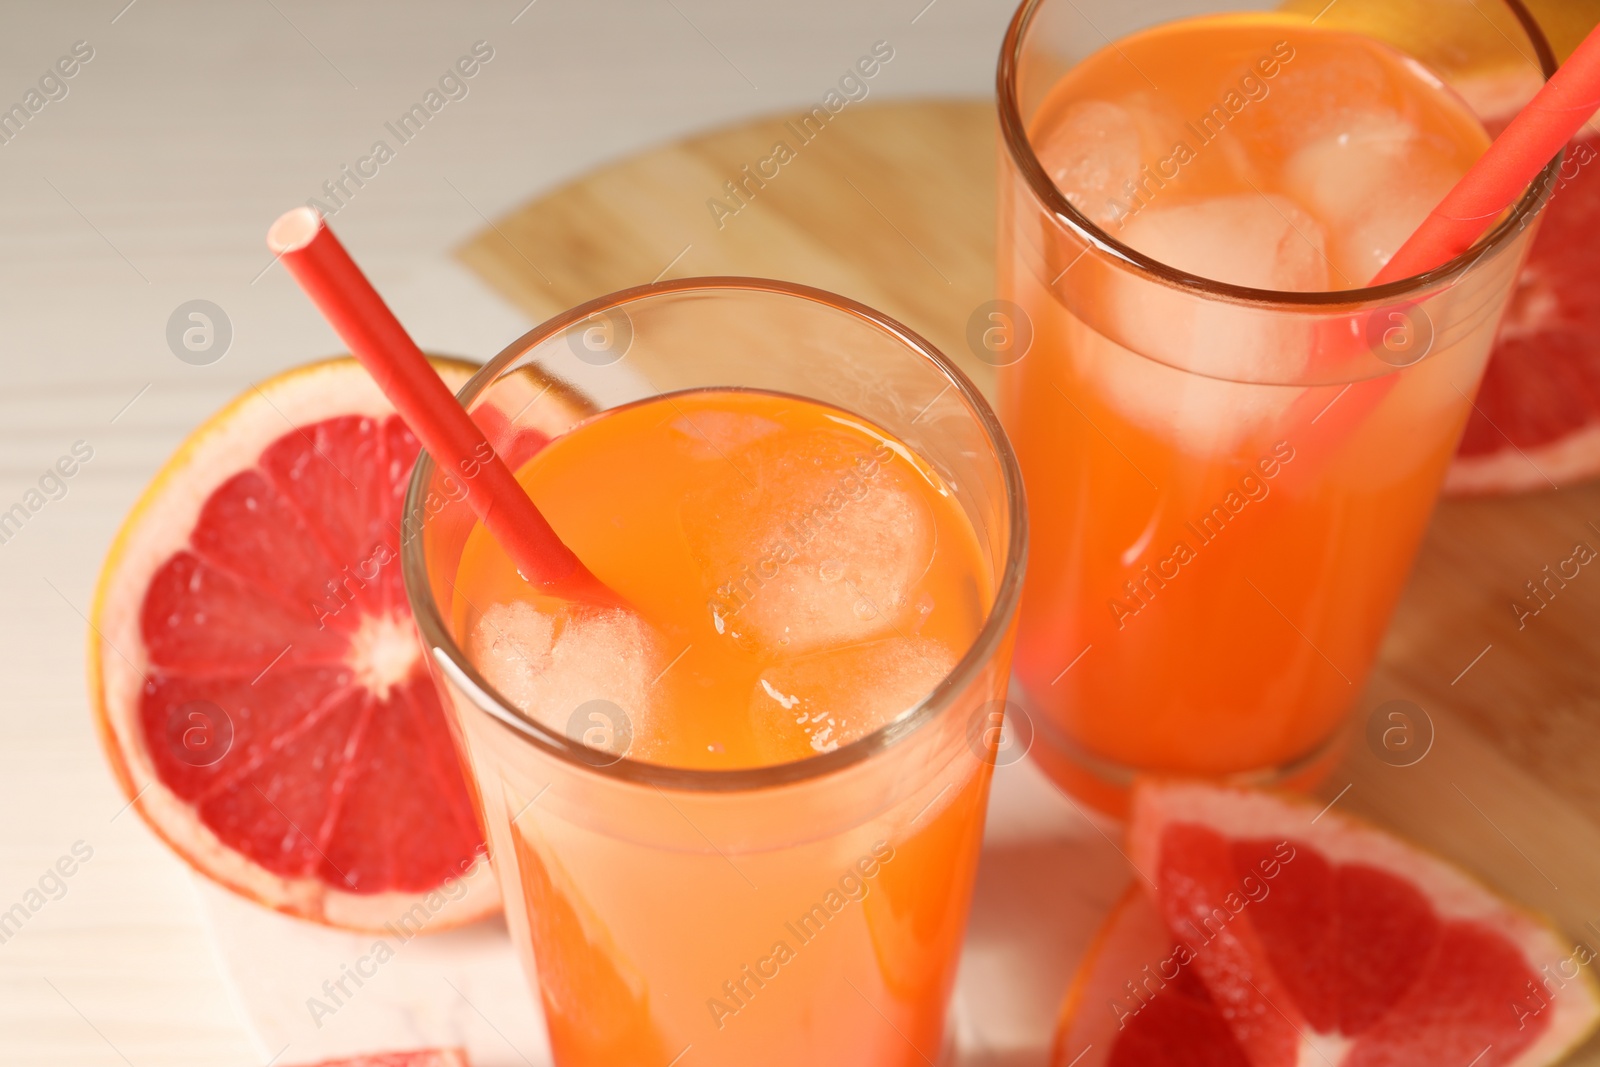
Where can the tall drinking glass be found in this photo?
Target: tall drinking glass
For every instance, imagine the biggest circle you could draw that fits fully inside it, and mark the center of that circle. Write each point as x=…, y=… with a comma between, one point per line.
x=808, y=912
x=1220, y=541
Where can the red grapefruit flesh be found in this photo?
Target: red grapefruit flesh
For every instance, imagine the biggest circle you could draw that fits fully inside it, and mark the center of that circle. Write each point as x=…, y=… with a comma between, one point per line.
x=1118, y=1015
x=1536, y=420
x=260, y=688
x=433, y=1057
x=1272, y=940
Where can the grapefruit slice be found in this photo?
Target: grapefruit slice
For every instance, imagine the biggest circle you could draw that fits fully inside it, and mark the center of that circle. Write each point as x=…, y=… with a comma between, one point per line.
x=1536, y=419
x=257, y=681
x=1121, y=1011
x=1272, y=940
x=432, y=1057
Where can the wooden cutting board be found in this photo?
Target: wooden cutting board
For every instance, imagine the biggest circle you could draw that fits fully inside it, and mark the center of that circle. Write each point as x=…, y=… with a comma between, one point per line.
x=894, y=205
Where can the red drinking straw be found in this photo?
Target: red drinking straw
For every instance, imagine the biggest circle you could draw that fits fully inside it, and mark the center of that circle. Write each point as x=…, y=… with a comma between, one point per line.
x=1540, y=130
x=358, y=314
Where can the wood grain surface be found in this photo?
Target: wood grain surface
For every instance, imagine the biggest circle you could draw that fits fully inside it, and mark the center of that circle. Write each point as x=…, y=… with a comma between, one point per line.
x=894, y=205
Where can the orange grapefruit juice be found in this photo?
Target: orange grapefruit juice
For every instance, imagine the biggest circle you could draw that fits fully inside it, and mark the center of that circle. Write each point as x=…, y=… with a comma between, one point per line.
x=795, y=578
x=1213, y=571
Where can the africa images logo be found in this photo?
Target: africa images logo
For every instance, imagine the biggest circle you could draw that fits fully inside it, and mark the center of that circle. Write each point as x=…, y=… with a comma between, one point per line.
x=852, y=88
x=851, y=888
x=1253, y=487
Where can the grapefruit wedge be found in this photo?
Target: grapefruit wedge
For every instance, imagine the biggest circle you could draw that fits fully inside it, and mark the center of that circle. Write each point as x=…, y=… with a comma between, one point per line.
x=1278, y=936
x=1536, y=419
x=255, y=674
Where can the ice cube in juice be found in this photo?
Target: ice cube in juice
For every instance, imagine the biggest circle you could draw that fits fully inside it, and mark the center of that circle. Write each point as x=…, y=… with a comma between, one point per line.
x=775, y=551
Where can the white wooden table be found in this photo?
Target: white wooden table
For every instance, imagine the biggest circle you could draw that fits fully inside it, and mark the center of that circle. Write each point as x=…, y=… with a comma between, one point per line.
x=151, y=183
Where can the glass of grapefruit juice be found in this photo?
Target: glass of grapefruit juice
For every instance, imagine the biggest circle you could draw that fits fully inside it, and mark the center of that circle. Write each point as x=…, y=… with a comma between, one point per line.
x=1231, y=445
x=737, y=819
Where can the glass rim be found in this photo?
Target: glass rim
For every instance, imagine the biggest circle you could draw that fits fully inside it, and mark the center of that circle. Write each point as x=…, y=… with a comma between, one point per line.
x=1014, y=136
x=452, y=659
